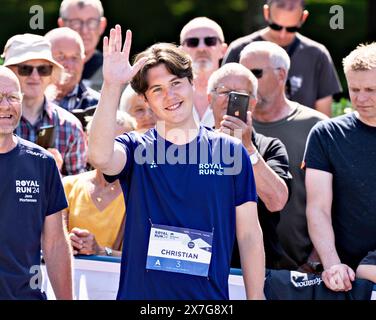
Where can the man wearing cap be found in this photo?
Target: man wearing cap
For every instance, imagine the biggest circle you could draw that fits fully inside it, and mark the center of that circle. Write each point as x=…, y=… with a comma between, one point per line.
x=203, y=39
x=31, y=197
x=312, y=79
x=68, y=49
x=29, y=57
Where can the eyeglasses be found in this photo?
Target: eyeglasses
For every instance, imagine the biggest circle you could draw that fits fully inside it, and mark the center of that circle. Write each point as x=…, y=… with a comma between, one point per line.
x=258, y=73
x=26, y=70
x=194, y=42
x=12, y=98
x=278, y=27
x=77, y=24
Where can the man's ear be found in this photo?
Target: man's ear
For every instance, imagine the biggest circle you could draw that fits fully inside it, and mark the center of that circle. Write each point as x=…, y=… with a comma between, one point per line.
x=103, y=24
x=266, y=10
x=252, y=102
x=304, y=16
x=60, y=22
x=210, y=98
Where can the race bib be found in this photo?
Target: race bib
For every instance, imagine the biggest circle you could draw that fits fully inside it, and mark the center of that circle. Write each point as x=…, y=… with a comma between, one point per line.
x=182, y=250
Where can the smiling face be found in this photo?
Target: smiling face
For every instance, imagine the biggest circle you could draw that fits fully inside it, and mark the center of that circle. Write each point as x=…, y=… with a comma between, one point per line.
x=10, y=103
x=169, y=96
x=362, y=90
x=33, y=86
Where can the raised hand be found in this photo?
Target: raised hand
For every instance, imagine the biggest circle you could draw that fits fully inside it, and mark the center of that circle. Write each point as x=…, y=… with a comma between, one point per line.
x=116, y=66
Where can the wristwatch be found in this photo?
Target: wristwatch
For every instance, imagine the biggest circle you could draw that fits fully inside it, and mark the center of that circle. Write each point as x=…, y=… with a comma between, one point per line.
x=108, y=251
x=254, y=157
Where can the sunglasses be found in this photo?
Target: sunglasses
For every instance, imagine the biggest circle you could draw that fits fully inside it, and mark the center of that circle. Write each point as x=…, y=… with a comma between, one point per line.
x=277, y=27
x=258, y=73
x=194, y=42
x=26, y=70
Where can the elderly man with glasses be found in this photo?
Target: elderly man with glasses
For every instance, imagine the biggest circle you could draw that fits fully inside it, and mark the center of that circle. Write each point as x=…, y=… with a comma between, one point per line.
x=29, y=57
x=312, y=79
x=276, y=116
x=268, y=155
x=203, y=39
x=86, y=17
x=32, y=197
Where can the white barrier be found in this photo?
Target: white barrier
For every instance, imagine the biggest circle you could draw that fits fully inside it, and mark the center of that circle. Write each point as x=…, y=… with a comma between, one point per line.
x=97, y=278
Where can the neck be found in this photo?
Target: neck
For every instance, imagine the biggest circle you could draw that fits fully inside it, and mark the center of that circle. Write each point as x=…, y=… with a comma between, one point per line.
x=63, y=91
x=100, y=180
x=369, y=122
x=32, y=108
x=7, y=142
x=178, y=133
x=89, y=54
x=276, y=110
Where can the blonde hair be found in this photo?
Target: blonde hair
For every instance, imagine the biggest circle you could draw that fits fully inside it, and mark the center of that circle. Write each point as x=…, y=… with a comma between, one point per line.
x=361, y=59
x=123, y=119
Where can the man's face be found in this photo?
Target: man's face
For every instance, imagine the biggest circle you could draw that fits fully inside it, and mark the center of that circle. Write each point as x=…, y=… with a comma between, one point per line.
x=140, y=110
x=87, y=22
x=10, y=105
x=362, y=89
x=169, y=97
x=34, y=85
x=205, y=54
x=219, y=98
x=268, y=83
x=284, y=18
x=67, y=52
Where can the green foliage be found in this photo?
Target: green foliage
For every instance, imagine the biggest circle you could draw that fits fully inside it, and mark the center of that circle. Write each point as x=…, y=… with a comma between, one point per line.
x=341, y=107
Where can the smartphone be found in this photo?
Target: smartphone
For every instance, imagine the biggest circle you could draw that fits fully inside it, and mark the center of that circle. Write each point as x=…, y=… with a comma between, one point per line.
x=46, y=136
x=238, y=105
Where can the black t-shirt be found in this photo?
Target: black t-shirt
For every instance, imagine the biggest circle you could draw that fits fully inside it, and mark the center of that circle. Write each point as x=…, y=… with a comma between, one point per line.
x=30, y=190
x=274, y=153
x=312, y=74
x=346, y=148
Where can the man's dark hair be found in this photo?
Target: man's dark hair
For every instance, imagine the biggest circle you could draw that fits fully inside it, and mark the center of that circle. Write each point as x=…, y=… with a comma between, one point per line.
x=177, y=62
x=286, y=4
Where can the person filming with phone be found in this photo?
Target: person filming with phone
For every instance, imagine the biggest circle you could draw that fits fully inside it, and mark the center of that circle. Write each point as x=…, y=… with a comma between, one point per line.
x=232, y=89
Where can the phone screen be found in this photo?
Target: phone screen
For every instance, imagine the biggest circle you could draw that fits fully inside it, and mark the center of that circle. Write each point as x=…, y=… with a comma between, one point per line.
x=238, y=105
x=46, y=136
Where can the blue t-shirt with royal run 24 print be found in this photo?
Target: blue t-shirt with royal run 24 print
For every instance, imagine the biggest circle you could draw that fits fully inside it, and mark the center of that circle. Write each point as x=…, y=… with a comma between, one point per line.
x=180, y=222
x=30, y=190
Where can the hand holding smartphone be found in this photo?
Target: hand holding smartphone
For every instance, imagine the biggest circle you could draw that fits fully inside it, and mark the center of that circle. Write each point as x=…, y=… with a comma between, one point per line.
x=238, y=105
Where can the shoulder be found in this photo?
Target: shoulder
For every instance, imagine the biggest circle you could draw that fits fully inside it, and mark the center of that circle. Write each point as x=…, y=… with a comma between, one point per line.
x=65, y=117
x=34, y=152
x=306, y=113
x=313, y=46
x=71, y=180
x=91, y=93
x=241, y=42
x=334, y=124
x=264, y=142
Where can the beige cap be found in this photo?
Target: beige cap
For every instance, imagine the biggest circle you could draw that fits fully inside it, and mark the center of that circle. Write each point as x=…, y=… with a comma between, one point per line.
x=23, y=47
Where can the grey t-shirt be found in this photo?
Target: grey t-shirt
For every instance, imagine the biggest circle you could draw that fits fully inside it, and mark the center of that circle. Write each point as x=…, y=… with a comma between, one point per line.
x=312, y=75
x=292, y=229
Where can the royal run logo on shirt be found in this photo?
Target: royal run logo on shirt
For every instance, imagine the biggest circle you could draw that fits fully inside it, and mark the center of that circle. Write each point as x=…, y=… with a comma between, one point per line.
x=210, y=169
x=27, y=189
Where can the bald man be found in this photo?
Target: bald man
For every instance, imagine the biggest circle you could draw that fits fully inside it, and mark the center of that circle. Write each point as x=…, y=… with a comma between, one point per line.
x=203, y=39
x=32, y=197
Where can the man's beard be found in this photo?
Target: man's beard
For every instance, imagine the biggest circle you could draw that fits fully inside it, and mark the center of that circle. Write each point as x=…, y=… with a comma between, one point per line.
x=202, y=65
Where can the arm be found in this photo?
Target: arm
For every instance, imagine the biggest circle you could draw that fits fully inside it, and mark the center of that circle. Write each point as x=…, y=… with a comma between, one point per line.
x=337, y=276
x=324, y=105
x=57, y=255
x=251, y=249
x=366, y=271
x=270, y=187
x=104, y=154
